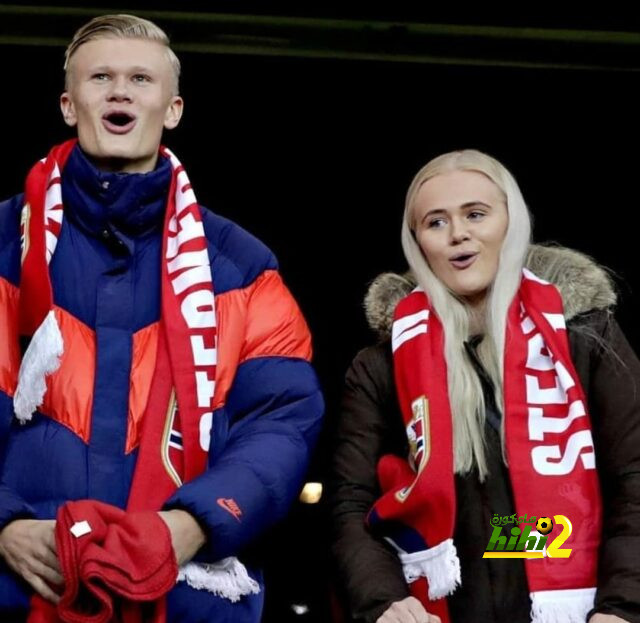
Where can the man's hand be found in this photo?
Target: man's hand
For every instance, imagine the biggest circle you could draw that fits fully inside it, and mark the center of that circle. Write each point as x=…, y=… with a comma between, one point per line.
x=187, y=536
x=29, y=548
x=409, y=610
x=598, y=617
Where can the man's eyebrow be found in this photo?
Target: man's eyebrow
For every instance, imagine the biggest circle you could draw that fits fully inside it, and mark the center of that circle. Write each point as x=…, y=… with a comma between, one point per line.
x=135, y=69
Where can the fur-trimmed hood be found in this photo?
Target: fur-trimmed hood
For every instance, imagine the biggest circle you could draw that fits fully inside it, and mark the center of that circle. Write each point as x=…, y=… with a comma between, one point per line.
x=583, y=285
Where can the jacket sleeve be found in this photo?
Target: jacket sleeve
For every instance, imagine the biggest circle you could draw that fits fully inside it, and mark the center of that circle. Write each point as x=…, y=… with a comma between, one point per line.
x=368, y=572
x=12, y=506
x=613, y=393
x=274, y=409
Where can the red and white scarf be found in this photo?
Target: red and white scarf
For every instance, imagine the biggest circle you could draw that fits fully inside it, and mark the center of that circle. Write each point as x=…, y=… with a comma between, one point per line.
x=548, y=444
x=186, y=359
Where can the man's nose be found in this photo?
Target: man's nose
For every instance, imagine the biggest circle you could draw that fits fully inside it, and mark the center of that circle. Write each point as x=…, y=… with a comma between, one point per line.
x=120, y=89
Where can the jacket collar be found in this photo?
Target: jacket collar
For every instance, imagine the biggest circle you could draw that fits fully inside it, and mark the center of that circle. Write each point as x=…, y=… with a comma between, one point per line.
x=583, y=284
x=133, y=203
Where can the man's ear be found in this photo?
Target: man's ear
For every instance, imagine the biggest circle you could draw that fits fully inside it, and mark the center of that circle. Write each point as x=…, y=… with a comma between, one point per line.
x=68, y=109
x=174, y=112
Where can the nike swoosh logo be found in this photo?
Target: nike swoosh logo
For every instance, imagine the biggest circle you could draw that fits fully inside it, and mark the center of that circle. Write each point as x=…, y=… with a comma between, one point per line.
x=230, y=505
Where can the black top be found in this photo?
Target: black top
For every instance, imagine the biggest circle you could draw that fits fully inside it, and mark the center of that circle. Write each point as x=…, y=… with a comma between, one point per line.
x=507, y=596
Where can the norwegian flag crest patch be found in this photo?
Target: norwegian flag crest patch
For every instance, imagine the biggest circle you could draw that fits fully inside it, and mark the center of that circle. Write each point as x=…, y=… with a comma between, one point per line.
x=418, y=434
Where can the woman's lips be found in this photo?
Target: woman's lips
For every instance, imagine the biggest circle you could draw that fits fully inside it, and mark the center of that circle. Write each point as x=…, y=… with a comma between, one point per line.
x=115, y=128
x=464, y=262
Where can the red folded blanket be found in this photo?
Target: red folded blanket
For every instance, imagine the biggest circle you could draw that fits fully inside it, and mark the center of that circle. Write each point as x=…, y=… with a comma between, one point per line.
x=117, y=566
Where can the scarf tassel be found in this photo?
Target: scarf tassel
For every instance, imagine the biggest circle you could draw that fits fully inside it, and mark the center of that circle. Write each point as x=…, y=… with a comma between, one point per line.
x=226, y=578
x=439, y=564
x=41, y=359
x=562, y=606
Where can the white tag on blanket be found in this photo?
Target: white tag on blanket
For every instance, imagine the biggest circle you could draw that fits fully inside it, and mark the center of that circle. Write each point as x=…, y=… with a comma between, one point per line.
x=80, y=528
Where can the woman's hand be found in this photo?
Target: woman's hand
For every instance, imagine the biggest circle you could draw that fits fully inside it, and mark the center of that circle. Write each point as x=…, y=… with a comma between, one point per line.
x=29, y=548
x=409, y=610
x=598, y=617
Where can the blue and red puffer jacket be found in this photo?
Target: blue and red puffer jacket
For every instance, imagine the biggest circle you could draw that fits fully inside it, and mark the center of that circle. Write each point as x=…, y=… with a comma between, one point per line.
x=83, y=442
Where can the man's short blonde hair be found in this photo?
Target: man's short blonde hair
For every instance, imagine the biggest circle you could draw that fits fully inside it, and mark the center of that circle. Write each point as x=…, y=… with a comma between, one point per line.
x=121, y=26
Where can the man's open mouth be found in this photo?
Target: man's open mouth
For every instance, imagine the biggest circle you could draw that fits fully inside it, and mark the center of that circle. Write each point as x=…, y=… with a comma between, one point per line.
x=118, y=122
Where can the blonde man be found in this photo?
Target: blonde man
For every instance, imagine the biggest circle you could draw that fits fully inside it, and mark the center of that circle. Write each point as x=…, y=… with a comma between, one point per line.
x=164, y=365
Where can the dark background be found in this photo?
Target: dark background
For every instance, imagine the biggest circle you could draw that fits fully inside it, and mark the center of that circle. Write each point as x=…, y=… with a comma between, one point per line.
x=307, y=133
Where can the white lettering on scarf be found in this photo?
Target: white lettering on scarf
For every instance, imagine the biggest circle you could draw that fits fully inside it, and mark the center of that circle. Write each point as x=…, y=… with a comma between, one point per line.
x=186, y=269
x=548, y=459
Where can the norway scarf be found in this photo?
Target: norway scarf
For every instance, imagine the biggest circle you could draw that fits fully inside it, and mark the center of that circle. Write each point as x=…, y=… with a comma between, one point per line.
x=549, y=451
x=183, y=385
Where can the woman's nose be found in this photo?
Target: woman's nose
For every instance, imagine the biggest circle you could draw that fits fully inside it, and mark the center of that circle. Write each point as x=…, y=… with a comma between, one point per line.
x=459, y=231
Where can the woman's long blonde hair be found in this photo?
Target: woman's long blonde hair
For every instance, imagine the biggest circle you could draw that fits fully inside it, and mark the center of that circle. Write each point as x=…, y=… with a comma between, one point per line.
x=465, y=390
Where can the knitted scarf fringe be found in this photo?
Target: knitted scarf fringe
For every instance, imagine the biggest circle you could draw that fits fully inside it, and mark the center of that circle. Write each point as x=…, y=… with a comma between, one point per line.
x=41, y=359
x=439, y=564
x=226, y=578
x=562, y=606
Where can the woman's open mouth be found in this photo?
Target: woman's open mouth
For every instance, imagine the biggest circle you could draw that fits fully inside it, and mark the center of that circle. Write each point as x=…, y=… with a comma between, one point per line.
x=463, y=260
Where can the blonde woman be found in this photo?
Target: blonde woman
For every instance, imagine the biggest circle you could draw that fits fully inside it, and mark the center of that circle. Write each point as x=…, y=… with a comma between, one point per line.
x=501, y=386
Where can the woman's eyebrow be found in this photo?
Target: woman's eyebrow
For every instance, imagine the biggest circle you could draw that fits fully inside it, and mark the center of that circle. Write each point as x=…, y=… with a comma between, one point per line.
x=472, y=204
